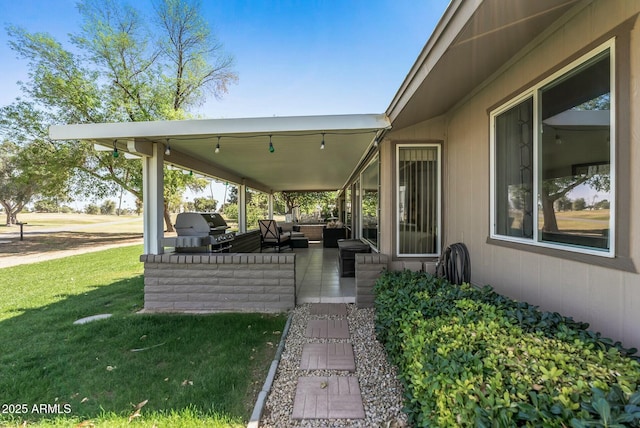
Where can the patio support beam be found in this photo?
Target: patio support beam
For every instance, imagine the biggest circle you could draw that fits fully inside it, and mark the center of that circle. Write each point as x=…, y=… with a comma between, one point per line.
x=153, y=200
x=270, y=206
x=242, y=208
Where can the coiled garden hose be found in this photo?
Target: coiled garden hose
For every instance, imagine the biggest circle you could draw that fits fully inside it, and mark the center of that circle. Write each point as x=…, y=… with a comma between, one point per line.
x=455, y=264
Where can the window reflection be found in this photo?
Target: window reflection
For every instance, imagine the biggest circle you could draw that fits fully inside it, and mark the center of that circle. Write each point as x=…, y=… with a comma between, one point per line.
x=370, y=191
x=575, y=181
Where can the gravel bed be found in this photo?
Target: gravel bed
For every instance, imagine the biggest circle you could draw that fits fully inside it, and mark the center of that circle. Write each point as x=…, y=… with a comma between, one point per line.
x=380, y=389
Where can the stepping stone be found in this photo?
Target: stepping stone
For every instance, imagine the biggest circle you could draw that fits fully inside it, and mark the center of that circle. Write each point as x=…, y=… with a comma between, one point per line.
x=328, y=356
x=328, y=329
x=328, y=309
x=92, y=318
x=334, y=397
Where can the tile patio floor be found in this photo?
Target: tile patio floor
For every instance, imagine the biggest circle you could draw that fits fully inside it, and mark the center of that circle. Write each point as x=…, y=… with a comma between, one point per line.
x=318, y=279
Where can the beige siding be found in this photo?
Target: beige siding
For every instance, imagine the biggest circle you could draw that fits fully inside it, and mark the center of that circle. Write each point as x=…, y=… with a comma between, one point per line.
x=431, y=131
x=387, y=200
x=606, y=298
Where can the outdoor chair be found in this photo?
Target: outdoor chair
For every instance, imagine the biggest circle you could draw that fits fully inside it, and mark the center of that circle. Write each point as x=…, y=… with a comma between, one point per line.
x=271, y=236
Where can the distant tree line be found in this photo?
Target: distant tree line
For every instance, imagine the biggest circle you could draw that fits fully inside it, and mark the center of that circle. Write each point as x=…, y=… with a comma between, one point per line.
x=580, y=204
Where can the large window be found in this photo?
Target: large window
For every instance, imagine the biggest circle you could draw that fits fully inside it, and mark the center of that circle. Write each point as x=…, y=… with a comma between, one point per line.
x=552, y=181
x=370, y=181
x=355, y=196
x=418, y=201
x=347, y=208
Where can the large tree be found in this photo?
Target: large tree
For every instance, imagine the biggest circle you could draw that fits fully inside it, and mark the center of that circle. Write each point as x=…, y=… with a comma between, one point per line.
x=124, y=67
x=557, y=188
x=30, y=164
x=25, y=173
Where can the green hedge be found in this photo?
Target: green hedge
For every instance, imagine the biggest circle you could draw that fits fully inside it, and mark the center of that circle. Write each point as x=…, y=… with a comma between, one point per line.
x=471, y=357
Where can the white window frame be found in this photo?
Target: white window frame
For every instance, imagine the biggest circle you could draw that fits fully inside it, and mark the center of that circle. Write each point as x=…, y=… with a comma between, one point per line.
x=534, y=93
x=438, y=202
x=355, y=214
x=373, y=245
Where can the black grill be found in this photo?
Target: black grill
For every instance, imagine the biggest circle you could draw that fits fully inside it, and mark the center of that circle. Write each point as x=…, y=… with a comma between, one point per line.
x=207, y=230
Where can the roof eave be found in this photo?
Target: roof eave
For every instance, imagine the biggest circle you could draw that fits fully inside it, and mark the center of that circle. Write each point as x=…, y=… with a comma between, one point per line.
x=453, y=20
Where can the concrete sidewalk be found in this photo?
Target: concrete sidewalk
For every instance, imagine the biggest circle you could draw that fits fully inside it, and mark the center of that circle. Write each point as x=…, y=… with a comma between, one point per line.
x=8, y=261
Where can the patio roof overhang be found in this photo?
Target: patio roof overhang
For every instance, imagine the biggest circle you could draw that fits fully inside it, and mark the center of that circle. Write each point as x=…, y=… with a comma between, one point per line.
x=473, y=41
x=297, y=163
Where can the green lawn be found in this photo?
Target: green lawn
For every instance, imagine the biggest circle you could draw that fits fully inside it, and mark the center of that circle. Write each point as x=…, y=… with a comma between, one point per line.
x=193, y=370
x=82, y=222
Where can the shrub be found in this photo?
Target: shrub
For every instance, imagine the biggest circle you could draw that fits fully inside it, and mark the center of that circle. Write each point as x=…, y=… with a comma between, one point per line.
x=92, y=209
x=108, y=207
x=471, y=357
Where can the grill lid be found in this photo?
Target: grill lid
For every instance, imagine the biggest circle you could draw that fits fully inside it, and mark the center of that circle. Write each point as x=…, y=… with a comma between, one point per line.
x=215, y=221
x=200, y=224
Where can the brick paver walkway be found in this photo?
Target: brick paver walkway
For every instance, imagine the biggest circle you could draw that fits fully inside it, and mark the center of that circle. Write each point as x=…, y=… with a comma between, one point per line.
x=328, y=309
x=328, y=329
x=328, y=356
x=335, y=396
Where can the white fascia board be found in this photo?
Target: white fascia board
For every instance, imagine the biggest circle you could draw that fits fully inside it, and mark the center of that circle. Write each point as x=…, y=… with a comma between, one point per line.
x=180, y=128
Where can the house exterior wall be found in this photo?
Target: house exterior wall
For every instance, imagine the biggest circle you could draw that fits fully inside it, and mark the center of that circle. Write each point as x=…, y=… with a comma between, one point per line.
x=607, y=298
x=428, y=132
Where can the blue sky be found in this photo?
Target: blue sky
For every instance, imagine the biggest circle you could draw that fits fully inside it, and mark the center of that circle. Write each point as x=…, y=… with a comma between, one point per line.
x=293, y=58
x=296, y=57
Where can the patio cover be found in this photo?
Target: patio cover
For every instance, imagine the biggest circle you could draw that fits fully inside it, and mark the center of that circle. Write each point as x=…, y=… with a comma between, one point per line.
x=297, y=163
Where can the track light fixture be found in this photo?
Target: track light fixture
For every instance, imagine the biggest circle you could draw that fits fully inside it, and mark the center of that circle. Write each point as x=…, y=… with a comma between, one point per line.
x=271, y=148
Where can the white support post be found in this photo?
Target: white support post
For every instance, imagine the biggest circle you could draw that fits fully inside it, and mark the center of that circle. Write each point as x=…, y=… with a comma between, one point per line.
x=153, y=200
x=242, y=208
x=270, y=206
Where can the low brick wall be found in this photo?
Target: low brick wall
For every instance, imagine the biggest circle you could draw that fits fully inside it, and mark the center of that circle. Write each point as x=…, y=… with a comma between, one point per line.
x=368, y=269
x=236, y=282
x=312, y=231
